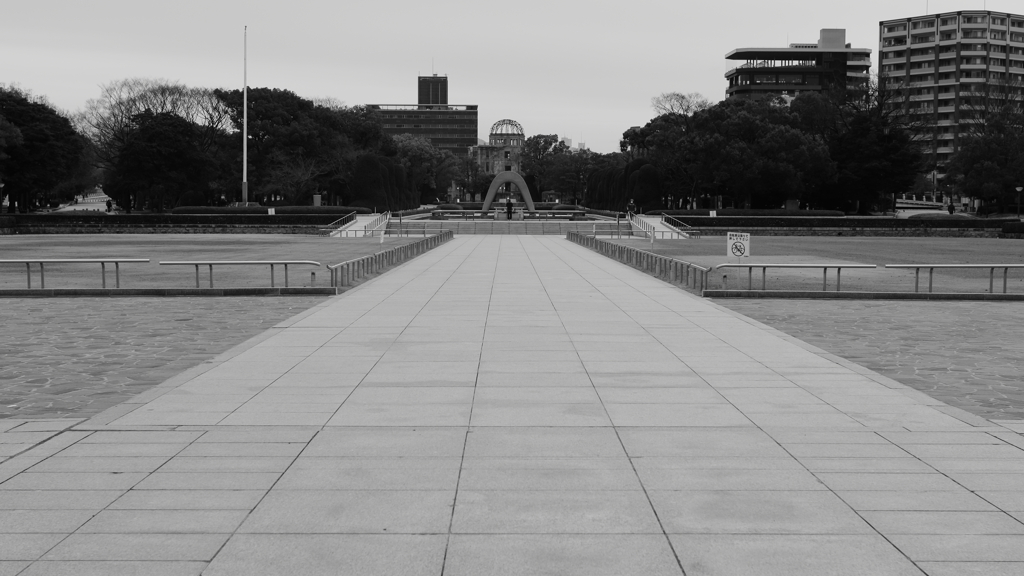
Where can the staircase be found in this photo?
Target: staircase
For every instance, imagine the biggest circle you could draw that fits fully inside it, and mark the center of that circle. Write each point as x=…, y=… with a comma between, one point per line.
x=522, y=228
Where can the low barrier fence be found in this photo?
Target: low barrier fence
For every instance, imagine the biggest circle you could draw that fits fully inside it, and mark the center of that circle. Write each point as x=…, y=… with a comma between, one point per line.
x=101, y=261
x=211, y=263
x=347, y=273
x=764, y=267
x=668, y=269
x=931, y=272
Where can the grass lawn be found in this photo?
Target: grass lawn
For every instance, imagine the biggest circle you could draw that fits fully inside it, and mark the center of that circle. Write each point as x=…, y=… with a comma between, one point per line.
x=180, y=247
x=711, y=251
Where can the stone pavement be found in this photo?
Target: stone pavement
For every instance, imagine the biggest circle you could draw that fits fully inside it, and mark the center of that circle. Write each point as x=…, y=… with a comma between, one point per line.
x=75, y=357
x=519, y=405
x=966, y=354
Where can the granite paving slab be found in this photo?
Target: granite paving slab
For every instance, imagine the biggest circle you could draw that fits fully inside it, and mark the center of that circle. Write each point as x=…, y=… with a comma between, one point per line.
x=519, y=405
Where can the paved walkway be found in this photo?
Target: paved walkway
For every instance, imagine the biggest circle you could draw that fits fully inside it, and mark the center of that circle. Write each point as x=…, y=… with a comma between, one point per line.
x=519, y=405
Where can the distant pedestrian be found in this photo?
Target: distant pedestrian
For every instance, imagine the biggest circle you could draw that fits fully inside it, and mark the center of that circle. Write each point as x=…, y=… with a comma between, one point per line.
x=110, y=205
x=951, y=208
x=631, y=207
x=508, y=207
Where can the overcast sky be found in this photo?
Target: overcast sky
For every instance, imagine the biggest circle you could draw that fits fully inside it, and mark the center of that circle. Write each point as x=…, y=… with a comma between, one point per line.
x=582, y=69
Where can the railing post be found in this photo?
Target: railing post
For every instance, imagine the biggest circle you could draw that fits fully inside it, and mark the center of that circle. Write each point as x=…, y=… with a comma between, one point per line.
x=197, y=275
x=42, y=276
x=824, y=279
x=917, y=279
x=28, y=274
x=764, y=276
x=750, y=278
x=1005, y=271
x=991, y=280
x=285, y=275
x=117, y=274
x=103, y=274
x=211, y=275
x=272, y=276
x=839, y=277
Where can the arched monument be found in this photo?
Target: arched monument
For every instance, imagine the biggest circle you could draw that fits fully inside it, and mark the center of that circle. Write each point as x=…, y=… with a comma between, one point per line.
x=508, y=177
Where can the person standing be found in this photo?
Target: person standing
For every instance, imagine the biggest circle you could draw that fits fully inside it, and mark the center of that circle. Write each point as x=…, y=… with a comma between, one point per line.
x=508, y=207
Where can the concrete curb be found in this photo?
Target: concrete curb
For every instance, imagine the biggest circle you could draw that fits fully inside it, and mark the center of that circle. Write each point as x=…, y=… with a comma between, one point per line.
x=75, y=292
x=808, y=294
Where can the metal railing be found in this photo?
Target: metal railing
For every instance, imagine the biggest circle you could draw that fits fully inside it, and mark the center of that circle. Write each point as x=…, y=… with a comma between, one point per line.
x=378, y=223
x=682, y=228
x=764, y=268
x=931, y=272
x=101, y=261
x=334, y=228
x=271, y=263
x=348, y=272
x=646, y=227
x=663, y=267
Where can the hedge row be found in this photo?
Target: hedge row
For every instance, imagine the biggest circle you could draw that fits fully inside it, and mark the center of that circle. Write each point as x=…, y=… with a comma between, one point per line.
x=102, y=220
x=784, y=222
x=305, y=210
x=1008, y=228
x=752, y=212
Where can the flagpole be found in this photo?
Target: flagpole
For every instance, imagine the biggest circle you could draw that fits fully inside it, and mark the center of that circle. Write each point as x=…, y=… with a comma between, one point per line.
x=245, y=116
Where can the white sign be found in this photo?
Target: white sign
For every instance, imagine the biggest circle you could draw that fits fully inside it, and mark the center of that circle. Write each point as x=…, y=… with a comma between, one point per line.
x=270, y=211
x=737, y=244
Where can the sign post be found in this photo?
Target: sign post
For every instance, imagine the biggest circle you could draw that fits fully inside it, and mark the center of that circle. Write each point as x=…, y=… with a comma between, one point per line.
x=737, y=244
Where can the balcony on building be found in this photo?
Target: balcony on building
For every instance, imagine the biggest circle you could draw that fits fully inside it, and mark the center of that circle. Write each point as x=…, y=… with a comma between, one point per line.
x=798, y=67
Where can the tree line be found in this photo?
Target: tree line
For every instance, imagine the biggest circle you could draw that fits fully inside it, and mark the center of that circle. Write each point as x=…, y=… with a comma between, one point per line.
x=155, y=145
x=819, y=151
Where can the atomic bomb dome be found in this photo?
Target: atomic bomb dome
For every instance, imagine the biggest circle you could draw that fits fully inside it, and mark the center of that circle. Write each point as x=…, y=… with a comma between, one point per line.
x=507, y=133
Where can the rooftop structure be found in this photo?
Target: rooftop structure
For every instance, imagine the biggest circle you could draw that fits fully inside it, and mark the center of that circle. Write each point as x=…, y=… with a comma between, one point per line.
x=787, y=72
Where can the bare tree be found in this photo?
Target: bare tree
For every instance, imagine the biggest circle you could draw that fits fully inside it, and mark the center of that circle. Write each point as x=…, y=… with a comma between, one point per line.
x=106, y=120
x=679, y=103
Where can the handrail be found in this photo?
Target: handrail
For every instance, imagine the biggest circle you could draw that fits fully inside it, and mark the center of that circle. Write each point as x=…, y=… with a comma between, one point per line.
x=101, y=261
x=644, y=227
x=931, y=272
x=348, y=272
x=824, y=267
x=664, y=267
x=690, y=232
x=212, y=263
x=377, y=223
x=339, y=224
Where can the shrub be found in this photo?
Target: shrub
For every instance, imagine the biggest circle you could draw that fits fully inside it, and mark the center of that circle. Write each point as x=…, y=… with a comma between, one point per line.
x=306, y=210
x=450, y=207
x=752, y=212
x=1008, y=228
x=566, y=207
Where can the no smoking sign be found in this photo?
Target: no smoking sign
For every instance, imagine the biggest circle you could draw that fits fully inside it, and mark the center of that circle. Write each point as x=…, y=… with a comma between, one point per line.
x=737, y=245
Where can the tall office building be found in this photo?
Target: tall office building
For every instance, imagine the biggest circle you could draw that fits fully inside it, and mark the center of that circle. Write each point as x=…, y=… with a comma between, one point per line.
x=949, y=70
x=433, y=89
x=448, y=127
x=787, y=72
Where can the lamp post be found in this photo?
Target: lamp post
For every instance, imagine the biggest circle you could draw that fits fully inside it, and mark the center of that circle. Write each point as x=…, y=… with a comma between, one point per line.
x=1019, y=188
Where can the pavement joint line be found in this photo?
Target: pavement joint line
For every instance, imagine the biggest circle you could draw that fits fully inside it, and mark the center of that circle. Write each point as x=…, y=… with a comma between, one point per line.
x=618, y=435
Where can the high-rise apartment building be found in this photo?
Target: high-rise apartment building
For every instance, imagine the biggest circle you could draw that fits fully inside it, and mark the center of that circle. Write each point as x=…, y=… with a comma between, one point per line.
x=787, y=72
x=448, y=127
x=949, y=70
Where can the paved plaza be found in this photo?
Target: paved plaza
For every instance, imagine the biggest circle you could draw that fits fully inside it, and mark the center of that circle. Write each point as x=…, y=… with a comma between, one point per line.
x=517, y=406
